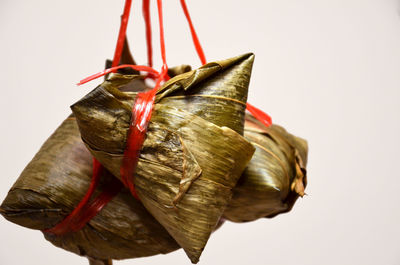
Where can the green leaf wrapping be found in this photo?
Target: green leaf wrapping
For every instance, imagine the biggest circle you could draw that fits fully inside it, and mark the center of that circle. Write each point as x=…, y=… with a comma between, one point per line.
x=275, y=176
x=204, y=109
x=55, y=181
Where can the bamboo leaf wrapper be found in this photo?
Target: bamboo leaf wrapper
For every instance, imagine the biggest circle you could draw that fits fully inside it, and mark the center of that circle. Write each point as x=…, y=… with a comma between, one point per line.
x=275, y=176
x=204, y=109
x=54, y=182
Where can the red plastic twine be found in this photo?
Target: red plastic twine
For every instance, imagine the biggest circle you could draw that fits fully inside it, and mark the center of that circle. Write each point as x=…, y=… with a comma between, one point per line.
x=142, y=68
x=147, y=22
x=141, y=111
x=122, y=33
x=137, y=132
x=86, y=210
x=196, y=41
x=257, y=113
x=141, y=115
x=260, y=115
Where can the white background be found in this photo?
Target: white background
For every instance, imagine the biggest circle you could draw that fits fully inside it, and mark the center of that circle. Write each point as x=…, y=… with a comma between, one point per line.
x=329, y=71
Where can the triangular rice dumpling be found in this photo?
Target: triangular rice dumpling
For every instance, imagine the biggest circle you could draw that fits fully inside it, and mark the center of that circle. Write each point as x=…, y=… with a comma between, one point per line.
x=192, y=156
x=275, y=176
x=63, y=167
x=55, y=181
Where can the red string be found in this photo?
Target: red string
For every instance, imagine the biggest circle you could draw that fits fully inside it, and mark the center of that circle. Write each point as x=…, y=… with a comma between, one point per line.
x=111, y=189
x=164, y=68
x=147, y=22
x=85, y=211
x=122, y=33
x=112, y=69
x=196, y=40
x=141, y=111
x=141, y=115
x=259, y=115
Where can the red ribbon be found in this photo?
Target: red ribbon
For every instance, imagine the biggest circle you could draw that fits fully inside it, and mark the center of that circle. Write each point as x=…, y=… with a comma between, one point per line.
x=141, y=114
x=260, y=115
x=86, y=209
x=137, y=132
x=122, y=33
x=196, y=40
x=256, y=112
x=142, y=68
x=147, y=22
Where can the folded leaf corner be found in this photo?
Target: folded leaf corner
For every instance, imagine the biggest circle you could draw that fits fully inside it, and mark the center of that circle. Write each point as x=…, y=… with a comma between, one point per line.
x=191, y=171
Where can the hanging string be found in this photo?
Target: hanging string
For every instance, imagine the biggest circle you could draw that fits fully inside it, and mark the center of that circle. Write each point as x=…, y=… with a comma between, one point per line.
x=141, y=111
x=164, y=68
x=142, y=68
x=147, y=23
x=196, y=40
x=122, y=33
x=257, y=113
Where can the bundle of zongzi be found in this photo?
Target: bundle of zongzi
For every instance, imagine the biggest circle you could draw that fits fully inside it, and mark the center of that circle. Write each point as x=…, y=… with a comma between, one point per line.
x=193, y=154
x=275, y=176
x=54, y=182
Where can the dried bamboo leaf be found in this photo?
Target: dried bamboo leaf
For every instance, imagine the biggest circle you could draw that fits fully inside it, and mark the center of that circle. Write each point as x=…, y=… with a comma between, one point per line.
x=198, y=107
x=54, y=182
x=191, y=171
x=214, y=91
x=275, y=176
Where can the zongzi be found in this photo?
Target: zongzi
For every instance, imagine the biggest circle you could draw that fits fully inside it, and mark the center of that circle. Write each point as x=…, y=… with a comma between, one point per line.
x=275, y=176
x=193, y=155
x=56, y=180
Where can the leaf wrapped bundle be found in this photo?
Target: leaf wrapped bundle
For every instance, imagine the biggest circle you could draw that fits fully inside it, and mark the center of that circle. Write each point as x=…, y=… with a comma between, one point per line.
x=275, y=176
x=55, y=181
x=193, y=154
